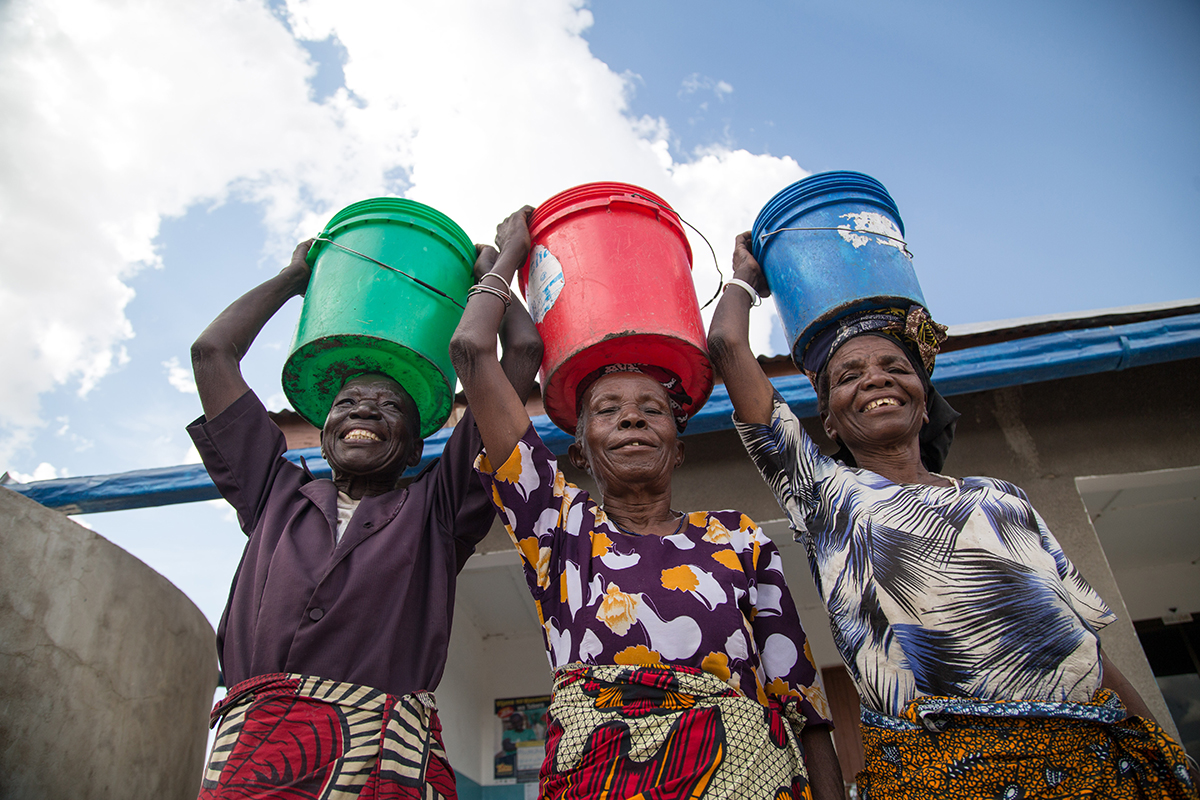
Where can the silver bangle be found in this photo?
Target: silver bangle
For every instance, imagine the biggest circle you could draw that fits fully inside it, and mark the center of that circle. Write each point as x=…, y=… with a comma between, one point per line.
x=493, y=275
x=482, y=288
x=757, y=300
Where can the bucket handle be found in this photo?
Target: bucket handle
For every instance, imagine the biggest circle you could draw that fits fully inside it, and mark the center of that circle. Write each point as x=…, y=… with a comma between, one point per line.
x=762, y=237
x=720, y=274
x=415, y=280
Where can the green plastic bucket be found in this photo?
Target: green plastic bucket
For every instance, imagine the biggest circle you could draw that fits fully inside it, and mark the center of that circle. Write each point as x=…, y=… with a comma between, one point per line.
x=389, y=282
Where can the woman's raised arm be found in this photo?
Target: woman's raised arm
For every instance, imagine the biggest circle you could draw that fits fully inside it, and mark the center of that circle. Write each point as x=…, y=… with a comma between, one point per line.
x=729, y=340
x=499, y=409
x=218, y=352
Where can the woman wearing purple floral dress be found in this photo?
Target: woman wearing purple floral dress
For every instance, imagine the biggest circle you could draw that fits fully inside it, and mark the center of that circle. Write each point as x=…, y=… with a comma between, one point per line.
x=680, y=666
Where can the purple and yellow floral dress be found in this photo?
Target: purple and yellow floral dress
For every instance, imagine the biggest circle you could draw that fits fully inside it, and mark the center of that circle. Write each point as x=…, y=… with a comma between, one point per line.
x=698, y=626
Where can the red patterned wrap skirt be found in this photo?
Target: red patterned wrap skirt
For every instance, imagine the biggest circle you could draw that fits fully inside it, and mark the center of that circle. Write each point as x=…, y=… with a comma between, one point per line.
x=295, y=737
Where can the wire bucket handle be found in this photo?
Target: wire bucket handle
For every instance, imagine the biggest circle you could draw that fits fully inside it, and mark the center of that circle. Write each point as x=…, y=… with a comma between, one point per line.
x=720, y=274
x=412, y=278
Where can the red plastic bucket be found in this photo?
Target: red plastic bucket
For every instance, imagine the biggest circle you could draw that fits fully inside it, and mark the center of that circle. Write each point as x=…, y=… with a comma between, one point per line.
x=608, y=281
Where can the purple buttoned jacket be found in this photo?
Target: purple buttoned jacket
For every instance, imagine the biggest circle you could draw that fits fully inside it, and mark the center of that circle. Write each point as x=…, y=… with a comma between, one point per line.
x=374, y=609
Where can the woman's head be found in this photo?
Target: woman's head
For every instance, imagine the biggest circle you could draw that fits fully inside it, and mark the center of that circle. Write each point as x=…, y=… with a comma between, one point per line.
x=911, y=341
x=627, y=438
x=677, y=396
x=823, y=383
x=372, y=432
x=912, y=328
x=874, y=396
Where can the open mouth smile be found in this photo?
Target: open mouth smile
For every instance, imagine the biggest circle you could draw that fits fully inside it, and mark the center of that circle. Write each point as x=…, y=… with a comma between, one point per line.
x=360, y=435
x=882, y=401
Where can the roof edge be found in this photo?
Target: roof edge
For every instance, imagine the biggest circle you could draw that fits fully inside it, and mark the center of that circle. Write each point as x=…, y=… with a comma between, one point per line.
x=1013, y=362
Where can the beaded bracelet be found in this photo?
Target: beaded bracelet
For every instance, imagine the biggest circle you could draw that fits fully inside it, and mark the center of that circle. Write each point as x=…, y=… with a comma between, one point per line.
x=481, y=288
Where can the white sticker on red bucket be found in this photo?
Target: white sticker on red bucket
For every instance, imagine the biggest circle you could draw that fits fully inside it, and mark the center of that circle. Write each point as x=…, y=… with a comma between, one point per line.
x=867, y=222
x=546, y=281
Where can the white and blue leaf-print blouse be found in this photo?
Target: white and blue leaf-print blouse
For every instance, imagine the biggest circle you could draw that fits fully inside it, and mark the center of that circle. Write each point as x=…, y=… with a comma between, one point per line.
x=934, y=591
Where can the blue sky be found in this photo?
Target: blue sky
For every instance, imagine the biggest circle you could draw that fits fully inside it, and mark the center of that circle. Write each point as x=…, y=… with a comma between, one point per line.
x=160, y=159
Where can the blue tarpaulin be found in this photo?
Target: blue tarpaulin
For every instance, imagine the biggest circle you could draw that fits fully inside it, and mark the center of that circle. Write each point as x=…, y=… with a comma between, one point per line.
x=1038, y=358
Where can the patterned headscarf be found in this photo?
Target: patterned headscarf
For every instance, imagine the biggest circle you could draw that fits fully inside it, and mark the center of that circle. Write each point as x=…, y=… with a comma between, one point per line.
x=913, y=329
x=678, y=397
x=920, y=338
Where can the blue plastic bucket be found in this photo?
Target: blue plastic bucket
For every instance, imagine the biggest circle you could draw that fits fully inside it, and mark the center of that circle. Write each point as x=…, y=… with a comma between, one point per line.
x=830, y=245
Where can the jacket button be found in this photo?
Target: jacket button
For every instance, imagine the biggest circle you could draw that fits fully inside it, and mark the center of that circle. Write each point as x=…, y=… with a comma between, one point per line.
x=316, y=614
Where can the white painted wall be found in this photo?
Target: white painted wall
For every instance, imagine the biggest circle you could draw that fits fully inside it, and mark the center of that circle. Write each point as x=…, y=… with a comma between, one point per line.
x=478, y=671
x=459, y=695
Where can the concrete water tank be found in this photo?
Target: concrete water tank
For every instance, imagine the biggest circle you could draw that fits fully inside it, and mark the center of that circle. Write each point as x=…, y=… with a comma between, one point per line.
x=107, y=671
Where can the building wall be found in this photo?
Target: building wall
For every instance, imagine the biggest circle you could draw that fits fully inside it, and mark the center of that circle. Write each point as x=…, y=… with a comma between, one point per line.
x=462, y=697
x=109, y=670
x=479, y=671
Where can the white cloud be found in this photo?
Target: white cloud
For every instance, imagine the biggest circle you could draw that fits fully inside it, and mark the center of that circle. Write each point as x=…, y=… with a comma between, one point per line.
x=277, y=401
x=720, y=192
x=179, y=377
x=702, y=83
x=42, y=472
x=226, y=512
x=77, y=443
x=116, y=115
x=519, y=109
x=119, y=113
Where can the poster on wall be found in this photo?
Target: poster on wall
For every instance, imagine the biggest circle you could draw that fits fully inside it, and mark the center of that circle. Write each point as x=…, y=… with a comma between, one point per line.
x=521, y=737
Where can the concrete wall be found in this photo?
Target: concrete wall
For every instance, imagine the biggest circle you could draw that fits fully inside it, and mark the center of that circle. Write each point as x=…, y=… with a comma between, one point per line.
x=460, y=697
x=108, y=670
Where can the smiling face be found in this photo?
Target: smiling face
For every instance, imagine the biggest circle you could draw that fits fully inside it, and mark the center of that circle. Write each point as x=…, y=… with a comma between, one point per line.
x=372, y=431
x=629, y=439
x=876, y=397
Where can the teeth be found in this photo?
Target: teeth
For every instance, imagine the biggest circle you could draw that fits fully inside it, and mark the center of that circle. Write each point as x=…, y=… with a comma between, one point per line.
x=883, y=401
x=361, y=434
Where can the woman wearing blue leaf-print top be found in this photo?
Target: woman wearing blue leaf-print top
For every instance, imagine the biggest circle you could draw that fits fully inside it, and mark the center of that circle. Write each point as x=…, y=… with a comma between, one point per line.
x=951, y=603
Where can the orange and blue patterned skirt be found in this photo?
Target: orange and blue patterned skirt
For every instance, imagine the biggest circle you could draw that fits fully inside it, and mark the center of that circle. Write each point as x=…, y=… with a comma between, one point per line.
x=955, y=748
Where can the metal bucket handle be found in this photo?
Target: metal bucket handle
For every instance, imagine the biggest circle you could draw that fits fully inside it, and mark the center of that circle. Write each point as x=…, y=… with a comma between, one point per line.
x=415, y=280
x=720, y=274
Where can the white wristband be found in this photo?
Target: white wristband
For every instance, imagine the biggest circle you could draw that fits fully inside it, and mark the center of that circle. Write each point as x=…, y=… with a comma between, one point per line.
x=749, y=290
